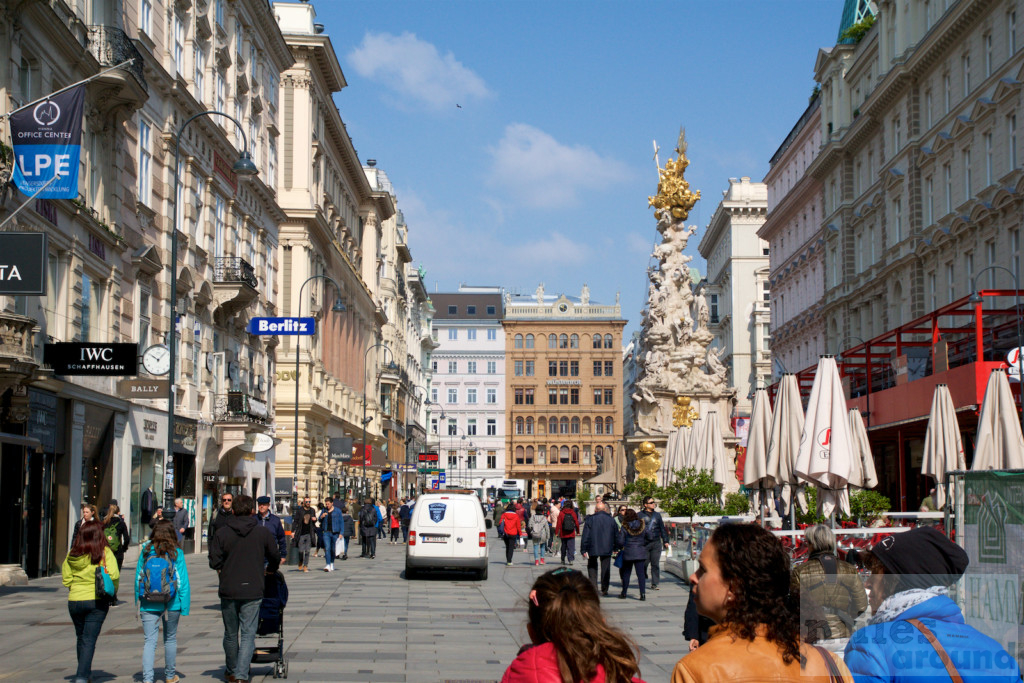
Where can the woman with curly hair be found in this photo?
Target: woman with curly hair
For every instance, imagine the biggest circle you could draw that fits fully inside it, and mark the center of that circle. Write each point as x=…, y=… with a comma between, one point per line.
x=571, y=641
x=743, y=584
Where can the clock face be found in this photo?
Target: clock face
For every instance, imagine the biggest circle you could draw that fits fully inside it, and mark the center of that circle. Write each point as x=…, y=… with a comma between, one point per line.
x=157, y=360
x=563, y=308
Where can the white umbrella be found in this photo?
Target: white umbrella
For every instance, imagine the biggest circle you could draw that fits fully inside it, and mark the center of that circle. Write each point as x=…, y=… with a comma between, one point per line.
x=755, y=469
x=862, y=469
x=713, y=456
x=1000, y=445
x=787, y=425
x=696, y=444
x=826, y=451
x=675, y=452
x=943, y=445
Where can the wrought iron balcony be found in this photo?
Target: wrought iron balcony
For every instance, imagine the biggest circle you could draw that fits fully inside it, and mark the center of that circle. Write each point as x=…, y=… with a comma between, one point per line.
x=228, y=269
x=112, y=46
x=236, y=406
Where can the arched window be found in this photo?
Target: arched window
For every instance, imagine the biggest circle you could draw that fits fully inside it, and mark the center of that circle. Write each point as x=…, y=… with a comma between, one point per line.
x=553, y=425
x=529, y=341
x=575, y=455
x=519, y=425
x=552, y=341
x=518, y=343
x=574, y=426
x=553, y=455
x=586, y=425
x=529, y=455
x=574, y=341
x=599, y=425
x=597, y=341
x=598, y=454
x=608, y=426
x=563, y=454
x=607, y=341
x=563, y=341
x=529, y=425
x=520, y=453
x=563, y=427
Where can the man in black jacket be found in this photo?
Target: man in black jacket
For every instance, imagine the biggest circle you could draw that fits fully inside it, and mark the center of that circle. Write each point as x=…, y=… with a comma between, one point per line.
x=220, y=517
x=658, y=535
x=268, y=519
x=243, y=552
x=598, y=543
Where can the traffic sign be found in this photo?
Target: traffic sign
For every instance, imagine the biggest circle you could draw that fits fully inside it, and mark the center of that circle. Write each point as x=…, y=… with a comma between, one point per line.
x=441, y=477
x=434, y=485
x=271, y=327
x=1013, y=360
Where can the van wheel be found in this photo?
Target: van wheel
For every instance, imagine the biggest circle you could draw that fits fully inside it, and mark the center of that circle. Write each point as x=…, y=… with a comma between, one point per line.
x=410, y=573
x=482, y=574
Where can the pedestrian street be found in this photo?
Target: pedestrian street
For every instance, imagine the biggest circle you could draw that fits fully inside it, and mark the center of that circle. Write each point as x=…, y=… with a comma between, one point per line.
x=363, y=622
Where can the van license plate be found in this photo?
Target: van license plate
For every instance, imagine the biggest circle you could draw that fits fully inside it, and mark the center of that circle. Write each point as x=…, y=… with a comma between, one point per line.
x=434, y=539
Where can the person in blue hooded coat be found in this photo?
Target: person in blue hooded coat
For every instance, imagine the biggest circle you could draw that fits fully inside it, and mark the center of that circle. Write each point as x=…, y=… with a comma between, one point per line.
x=917, y=632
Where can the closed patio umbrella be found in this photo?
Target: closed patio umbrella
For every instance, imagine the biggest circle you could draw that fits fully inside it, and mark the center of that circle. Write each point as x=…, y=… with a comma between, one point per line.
x=675, y=452
x=712, y=455
x=826, y=451
x=755, y=469
x=695, y=446
x=862, y=469
x=1000, y=445
x=787, y=425
x=943, y=445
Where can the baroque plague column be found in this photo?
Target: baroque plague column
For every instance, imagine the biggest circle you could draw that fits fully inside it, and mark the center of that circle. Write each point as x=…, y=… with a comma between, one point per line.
x=677, y=367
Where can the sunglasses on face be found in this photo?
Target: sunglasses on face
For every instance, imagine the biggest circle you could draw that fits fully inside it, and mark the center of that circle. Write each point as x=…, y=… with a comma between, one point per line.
x=225, y=500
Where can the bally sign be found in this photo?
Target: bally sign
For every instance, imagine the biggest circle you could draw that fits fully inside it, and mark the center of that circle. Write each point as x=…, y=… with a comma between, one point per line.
x=144, y=388
x=84, y=358
x=275, y=326
x=23, y=263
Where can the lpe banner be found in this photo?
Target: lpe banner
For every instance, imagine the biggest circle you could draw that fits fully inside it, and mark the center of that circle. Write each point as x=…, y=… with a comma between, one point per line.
x=47, y=141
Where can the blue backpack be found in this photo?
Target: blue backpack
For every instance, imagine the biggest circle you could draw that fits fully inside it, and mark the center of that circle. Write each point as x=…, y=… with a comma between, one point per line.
x=158, y=581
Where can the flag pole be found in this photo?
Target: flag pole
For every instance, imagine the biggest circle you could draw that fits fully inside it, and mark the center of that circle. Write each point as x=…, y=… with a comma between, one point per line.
x=36, y=194
x=69, y=87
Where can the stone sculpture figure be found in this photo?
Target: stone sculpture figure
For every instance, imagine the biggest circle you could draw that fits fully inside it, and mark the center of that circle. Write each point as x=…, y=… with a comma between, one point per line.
x=585, y=294
x=540, y=293
x=701, y=305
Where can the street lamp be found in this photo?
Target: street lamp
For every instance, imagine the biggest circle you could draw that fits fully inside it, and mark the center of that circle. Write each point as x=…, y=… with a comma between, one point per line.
x=338, y=307
x=976, y=299
x=409, y=440
x=366, y=420
x=839, y=359
x=245, y=168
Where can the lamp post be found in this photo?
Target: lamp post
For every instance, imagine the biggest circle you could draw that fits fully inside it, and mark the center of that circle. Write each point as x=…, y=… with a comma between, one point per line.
x=409, y=440
x=839, y=357
x=976, y=299
x=366, y=420
x=243, y=167
x=338, y=307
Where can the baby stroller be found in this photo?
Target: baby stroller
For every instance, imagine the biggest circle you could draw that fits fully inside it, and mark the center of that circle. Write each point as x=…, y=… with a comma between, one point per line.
x=271, y=625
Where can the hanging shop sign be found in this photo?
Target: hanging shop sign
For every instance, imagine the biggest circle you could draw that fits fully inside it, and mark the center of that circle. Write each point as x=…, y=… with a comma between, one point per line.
x=23, y=263
x=144, y=388
x=339, y=448
x=88, y=358
x=47, y=139
x=184, y=440
x=257, y=442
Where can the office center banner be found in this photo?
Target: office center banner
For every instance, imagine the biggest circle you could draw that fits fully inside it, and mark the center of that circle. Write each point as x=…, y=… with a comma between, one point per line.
x=47, y=140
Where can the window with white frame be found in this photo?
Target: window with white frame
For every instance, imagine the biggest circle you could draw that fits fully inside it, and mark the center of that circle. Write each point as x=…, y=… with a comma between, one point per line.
x=987, y=40
x=988, y=159
x=179, y=45
x=453, y=426
x=453, y=395
x=947, y=181
x=471, y=427
x=219, y=94
x=272, y=162
x=492, y=335
x=453, y=334
x=492, y=367
x=145, y=162
x=471, y=334
x=144, y=316
x=471, y=395
x=897, y=220
x=219, y=209
x=471, y=367
x=92, y=310
x=492, y=427
x=1011, y=31
x=453, y=367
x=146, y=17
x=199, y=77
x=965, y=67
x=492, y=396
x=492, y=460
x=433, y=395
x=219, y=12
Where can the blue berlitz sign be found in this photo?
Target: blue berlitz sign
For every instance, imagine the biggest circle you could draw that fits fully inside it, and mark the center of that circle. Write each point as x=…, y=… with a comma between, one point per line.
x=276, y=326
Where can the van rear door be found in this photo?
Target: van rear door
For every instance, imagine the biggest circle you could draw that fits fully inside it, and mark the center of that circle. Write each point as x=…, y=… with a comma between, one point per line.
x=436, y=527
x=467, y=527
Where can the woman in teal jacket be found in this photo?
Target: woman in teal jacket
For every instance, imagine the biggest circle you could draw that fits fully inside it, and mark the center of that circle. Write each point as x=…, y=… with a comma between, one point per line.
x=163, y=543
x=917, y=632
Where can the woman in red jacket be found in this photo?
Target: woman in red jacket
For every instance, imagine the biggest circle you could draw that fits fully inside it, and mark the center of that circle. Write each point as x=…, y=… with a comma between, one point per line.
x=567, y=526
x=511, y=525
x=571, y=641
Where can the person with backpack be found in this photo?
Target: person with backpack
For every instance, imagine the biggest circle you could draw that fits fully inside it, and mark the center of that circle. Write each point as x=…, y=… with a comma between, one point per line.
x=348, y=530
x=566, y=527
x=162, y=594
x=404, y=518
x=369, y=518
x=539, y=534
x=116, y=532
x=509, y=527
x=88, y=610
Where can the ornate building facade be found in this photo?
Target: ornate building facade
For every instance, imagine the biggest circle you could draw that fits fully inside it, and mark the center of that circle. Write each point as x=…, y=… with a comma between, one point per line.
x=563, y=361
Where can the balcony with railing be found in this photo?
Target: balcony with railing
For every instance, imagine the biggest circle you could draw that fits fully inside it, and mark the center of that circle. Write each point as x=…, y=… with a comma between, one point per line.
x=234, y=283
x=125, y=86
x=237, y=406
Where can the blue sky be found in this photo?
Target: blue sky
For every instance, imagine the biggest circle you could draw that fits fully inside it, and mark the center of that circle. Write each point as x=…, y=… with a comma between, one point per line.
x=518, y=135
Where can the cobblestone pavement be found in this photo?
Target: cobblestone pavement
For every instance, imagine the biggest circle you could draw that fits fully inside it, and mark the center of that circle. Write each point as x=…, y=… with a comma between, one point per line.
x=364, y=622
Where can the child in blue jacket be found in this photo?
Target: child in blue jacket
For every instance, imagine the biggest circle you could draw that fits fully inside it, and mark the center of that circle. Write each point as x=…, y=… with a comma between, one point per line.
x=163, y=543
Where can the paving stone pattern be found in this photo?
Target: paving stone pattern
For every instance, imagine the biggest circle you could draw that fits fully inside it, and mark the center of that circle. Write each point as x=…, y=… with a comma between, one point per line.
x=363, y=622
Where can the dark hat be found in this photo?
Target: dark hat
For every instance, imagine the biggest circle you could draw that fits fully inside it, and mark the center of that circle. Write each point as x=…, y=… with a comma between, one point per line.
x=923, y=557
x=263, y=500
x=113, y=501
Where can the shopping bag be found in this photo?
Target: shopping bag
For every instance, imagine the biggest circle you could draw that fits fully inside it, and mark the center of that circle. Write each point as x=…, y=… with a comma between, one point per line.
x=618, y=560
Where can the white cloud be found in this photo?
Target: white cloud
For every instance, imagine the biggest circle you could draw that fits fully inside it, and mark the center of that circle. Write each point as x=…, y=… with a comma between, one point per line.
x=533, y=168
x=638, y=243
x=414, y=69
x=554, y=250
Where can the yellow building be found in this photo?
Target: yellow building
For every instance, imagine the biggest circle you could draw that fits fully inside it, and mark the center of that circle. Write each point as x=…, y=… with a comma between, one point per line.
x=563, y=395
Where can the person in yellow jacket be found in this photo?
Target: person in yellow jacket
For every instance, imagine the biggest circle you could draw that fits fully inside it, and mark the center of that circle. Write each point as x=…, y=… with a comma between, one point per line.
x=89, y=551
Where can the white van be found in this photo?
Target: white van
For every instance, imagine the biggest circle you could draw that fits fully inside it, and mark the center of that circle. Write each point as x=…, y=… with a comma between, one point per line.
x=447, y=531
